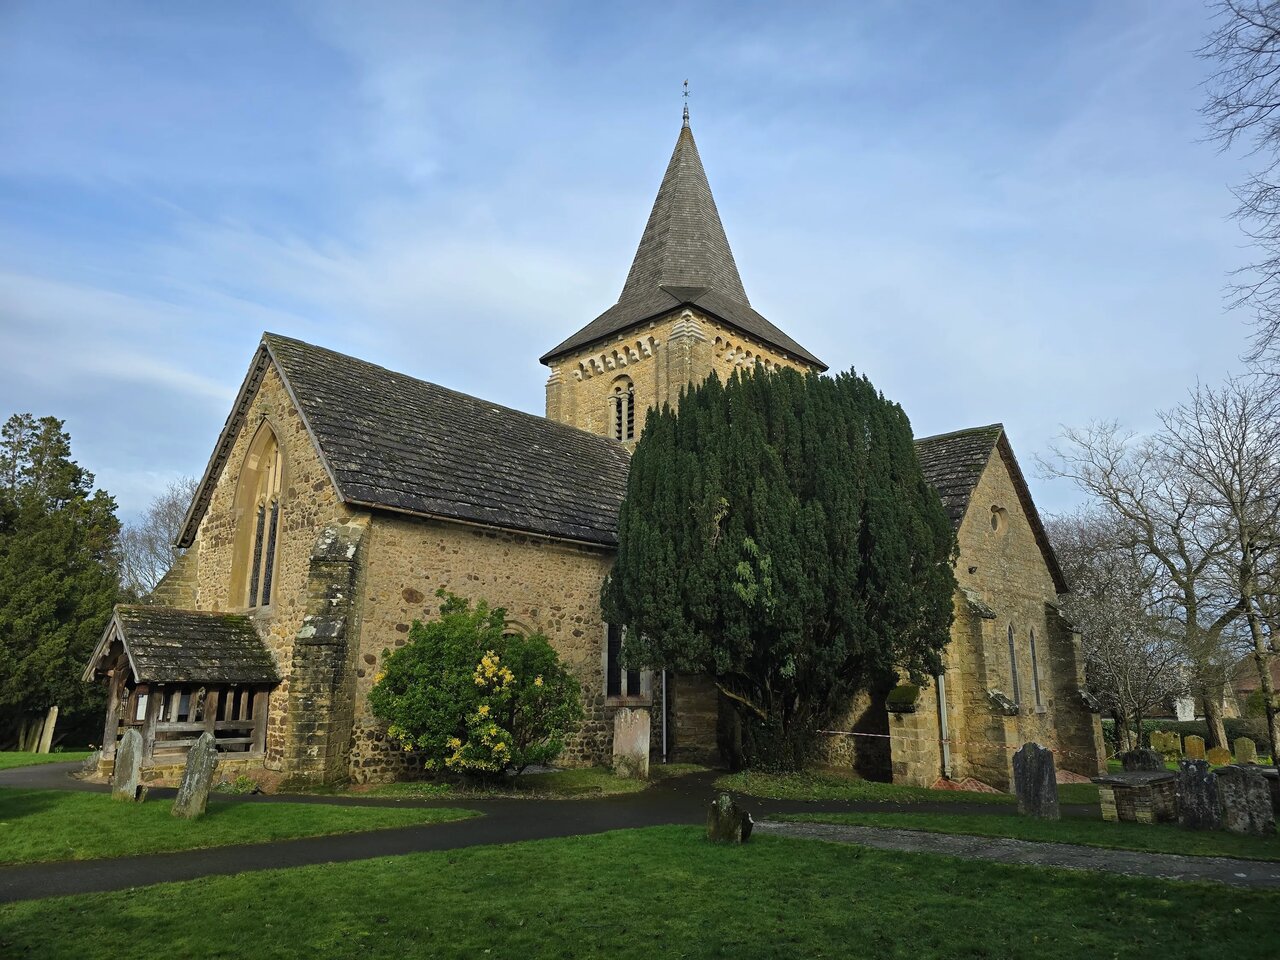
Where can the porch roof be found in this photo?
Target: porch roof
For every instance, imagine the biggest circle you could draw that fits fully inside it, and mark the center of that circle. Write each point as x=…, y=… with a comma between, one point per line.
x=169, y=645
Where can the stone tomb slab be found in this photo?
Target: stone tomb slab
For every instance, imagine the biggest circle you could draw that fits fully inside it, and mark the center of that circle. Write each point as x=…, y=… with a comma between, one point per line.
x=1141, y=796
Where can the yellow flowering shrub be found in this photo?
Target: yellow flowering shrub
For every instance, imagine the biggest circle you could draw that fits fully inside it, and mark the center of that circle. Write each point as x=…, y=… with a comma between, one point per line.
x=473, y=699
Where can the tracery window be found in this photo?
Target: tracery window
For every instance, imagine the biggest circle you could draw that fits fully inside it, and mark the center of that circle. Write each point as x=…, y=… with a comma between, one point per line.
x=258, y=503
x=622, y=410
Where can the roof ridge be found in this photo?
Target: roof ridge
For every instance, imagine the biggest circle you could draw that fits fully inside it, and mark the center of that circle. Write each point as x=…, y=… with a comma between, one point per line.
x=961, y=432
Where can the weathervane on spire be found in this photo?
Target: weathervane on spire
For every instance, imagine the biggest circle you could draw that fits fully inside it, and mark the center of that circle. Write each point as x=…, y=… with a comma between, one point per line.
x=686, y=103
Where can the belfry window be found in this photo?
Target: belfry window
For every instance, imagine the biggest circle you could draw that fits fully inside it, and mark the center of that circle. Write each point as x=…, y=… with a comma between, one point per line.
x=1013, y=668
x=258, y=509
x=622, y=410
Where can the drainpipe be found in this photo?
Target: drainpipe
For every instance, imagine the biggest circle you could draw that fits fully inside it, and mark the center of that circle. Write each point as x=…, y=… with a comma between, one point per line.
x=664, y=716
x=943, y=732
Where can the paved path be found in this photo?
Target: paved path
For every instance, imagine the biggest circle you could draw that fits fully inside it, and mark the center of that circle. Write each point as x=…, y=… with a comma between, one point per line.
x=1132, y=863
x=680, y=800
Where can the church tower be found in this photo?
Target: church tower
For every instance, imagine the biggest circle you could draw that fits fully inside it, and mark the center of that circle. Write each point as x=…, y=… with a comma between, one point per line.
x=683, y=313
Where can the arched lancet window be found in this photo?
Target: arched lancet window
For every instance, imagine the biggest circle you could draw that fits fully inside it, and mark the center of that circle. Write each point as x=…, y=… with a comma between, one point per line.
x=258, y=524
x=622, y=410
x=1013, y=668
x=1035, y=670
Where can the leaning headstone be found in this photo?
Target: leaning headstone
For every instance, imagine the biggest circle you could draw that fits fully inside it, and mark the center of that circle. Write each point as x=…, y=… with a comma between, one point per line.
x=197, y=778
x=1246, y=801
x=1144, y=759
x=727, y=822
x=1035, y=782
x=1199, y=805
x=1246, y=750
x=1218, y=756
x=1194, y=746
x=128, y=768
x=631, y=743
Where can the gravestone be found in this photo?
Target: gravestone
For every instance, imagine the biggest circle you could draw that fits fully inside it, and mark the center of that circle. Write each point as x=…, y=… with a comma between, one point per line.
x=128, y=768
x=1218, y=756
x=727, y=822
x=1035, y=782
x=1195, y=747
x=197, y=778
x=1199, y=804
x=1246, y=801
x=631, y=743
x=1144, y=759
x=1246, y=750
x=1167, y=743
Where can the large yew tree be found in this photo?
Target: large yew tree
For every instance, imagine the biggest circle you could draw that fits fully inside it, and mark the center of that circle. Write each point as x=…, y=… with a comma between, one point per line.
x=777, y=535
x=58, y=574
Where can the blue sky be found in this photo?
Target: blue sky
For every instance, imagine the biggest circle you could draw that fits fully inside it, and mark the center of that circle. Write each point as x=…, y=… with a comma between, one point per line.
x=998, y=211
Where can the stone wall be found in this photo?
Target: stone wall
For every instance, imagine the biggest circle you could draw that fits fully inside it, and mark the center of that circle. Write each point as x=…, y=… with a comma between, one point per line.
x=546, y=586
x=1002, y=567
x=660, y=358
x=309, y=502
x=180, y=585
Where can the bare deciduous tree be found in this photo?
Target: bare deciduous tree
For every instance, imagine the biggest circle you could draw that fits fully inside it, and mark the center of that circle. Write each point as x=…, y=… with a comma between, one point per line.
x=146, y=547
x=1165, y=512
x=1243, y=105
x=1133, y=664
x=1228, y=440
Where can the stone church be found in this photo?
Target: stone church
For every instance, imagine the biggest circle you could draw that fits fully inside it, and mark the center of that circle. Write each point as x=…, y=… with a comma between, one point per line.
x=341, y=495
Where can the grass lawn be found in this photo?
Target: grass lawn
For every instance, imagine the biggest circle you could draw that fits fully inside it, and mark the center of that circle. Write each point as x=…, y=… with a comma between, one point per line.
x=659, y=892
x=827, y=786
x=587, y=783
x=10, y=759
x=38, y=825
x=1156, y=838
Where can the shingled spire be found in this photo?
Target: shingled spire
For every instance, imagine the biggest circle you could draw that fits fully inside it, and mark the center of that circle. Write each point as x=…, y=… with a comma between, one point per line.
x=683, y=244
x=683, y=259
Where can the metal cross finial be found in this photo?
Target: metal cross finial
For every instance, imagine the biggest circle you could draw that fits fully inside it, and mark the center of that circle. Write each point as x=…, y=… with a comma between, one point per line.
x=686, y=103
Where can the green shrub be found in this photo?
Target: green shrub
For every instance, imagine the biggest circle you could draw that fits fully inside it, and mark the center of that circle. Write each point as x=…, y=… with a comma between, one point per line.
x=472, y=697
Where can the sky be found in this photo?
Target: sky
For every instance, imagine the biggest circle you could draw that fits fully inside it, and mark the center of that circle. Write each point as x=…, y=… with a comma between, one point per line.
x=996, y=211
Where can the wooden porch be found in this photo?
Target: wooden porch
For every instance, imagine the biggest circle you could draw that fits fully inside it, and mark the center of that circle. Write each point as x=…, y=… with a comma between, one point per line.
x=176, y=674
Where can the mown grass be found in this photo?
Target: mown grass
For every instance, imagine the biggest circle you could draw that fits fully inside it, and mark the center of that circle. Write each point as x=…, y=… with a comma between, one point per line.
x=12, y=758
x=43, y=825
x=587, y=783
x=828, y=786
x=1152, y=838
x=658, y=892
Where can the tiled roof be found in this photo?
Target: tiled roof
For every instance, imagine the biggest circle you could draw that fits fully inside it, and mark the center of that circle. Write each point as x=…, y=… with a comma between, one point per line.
x=683, y=259
x=394, y=442
x=168, y=645
x=952, y=463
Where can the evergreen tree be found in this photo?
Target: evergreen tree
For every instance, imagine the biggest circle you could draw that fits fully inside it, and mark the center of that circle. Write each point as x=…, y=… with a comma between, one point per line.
x=778, y=535
x=58, y=578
